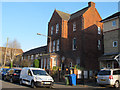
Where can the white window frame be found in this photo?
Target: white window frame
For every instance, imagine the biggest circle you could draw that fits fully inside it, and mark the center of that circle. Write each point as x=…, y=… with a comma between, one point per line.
x=74, y=26
x=114, y=23
x=114, y=43
x=52, y=28
x=54, y=46
x=73, y=46
x=58, y=43
x=57, y=28
x=99, y=30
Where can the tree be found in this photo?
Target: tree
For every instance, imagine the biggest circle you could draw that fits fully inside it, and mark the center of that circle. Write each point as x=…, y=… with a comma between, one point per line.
x=36, y=63
x=11, y=53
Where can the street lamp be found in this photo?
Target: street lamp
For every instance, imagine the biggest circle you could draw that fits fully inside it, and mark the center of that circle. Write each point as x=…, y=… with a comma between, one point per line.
x=49, y=45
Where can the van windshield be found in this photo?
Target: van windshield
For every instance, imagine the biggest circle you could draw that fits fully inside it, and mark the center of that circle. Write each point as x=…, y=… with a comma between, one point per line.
x=104, y=72
x=39, y=72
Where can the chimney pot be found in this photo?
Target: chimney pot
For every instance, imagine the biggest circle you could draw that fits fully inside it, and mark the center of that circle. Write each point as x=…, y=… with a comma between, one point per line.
x=91, y=4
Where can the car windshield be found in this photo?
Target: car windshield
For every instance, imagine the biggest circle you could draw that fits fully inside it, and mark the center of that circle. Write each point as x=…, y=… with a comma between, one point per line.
x=104, y=72
x=39, y=72
x=17, y=71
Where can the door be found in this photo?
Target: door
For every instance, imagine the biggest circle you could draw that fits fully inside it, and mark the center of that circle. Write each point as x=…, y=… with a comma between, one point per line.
x=29, y=77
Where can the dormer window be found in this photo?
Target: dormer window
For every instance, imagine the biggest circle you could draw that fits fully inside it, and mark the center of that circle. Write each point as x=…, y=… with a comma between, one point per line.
x=57, y=28
x=74, y=26
x=52, y=30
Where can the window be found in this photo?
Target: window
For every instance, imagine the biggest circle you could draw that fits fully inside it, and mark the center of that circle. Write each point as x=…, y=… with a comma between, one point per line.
x=117, y=72
x=52, y=30
x=114, y=43
x=36, y=56
x=104, y=72
x=99, y=30
x=99, y=45
x=70, y=64
x=78, y=61
x=74, y=44
x=45, y=63
x=50, y=46
x=54, y=46
x=57, y=28
x=32, y=57
x=57, y=48
x=113, y=23
x=28, y=57
x=48, y=63
x=74, y=26
x=42, y=63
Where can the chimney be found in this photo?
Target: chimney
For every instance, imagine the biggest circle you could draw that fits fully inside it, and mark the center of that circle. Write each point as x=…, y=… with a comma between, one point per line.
x=91, y=4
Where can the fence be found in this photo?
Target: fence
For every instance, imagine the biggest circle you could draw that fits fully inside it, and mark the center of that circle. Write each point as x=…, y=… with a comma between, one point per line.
x=81, y=75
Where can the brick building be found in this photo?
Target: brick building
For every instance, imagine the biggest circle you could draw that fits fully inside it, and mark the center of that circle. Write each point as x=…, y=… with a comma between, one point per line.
x=39, y=53
x=111, y=31
x=76, y=39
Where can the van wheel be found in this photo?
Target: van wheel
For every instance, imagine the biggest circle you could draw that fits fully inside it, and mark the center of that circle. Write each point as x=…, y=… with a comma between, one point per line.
x=116, y=84
x=21, y=82
x=33, y=84
x=11, y=80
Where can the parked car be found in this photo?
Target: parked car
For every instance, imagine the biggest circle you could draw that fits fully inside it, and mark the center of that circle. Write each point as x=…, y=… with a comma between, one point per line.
x=35, y=77
x=3, y=71
x=12, y=75
x=109, y=77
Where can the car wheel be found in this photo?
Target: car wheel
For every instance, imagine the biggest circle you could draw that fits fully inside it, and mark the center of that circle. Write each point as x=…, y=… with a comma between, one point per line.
x=33, y=84
x=11, y=80
x=21, y=82
x=116, y=84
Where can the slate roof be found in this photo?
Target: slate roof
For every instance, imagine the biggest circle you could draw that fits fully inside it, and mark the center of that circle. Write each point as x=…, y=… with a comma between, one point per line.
x=63, y=15
x=112, y=16
x=36, y=51
x=79, y=13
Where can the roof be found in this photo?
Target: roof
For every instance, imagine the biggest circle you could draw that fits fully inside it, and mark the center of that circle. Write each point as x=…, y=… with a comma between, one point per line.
x=79, y=13
x=38, y=50
x=63, y=15
x=108, y=57
x=112, y=16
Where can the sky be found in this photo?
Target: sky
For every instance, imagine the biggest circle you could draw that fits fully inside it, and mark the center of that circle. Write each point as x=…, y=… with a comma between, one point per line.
x=23, y=20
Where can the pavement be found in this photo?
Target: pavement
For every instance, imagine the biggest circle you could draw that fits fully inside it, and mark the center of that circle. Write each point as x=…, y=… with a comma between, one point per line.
x=85, y=85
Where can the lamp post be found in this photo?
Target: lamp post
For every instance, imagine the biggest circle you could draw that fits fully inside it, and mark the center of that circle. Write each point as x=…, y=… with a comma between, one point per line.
x=49, y=45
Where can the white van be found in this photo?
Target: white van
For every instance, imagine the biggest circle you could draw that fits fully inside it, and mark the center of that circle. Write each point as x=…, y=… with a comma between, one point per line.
x=35, y=77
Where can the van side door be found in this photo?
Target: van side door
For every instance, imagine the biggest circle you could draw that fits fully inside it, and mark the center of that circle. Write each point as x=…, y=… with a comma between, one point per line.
x=29, y=76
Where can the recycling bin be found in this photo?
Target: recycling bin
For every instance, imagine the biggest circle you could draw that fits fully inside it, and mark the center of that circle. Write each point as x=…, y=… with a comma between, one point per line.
x=72, y=79
x=67, y=81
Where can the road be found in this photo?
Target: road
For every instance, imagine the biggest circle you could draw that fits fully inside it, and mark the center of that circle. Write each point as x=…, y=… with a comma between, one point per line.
x=11, y=86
